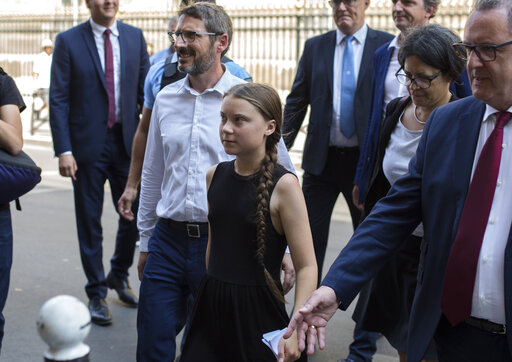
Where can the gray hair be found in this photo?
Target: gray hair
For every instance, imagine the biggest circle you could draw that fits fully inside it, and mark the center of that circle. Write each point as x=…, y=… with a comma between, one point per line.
x=434, y=4
x=215, y=18
x=433, y=45
x=173, y=21
x=482, y=5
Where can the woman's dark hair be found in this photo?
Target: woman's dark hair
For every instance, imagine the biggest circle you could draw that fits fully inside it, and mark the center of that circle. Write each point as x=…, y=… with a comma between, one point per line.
x=2, y=71
x=266, y=100
x=433, y=45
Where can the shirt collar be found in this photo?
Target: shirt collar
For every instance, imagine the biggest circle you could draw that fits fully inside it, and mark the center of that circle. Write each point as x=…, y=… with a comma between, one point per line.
x=360, y=35
x=98, y=29
x=222, y=86
x=490, y=110
x=394, y=43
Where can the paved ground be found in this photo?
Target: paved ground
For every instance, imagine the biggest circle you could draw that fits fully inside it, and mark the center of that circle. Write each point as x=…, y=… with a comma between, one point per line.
x=46, y=263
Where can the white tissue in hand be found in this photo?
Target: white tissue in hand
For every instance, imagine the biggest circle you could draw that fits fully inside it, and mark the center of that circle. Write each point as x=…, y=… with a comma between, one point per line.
x=271, y=339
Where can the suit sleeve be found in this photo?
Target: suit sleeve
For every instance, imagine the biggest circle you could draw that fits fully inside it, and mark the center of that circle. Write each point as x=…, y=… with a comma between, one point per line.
x=297, y=101
x=378, y=237
x=60, y=96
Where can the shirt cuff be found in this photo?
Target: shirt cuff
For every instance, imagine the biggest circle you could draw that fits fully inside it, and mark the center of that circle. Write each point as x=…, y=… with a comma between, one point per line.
x=143, y=246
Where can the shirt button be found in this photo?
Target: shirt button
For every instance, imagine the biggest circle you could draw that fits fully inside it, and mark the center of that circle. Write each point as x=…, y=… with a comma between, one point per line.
x=482, y=297
x=491, y=221
x=498, y=183
x=504, y=146
x=485, y=259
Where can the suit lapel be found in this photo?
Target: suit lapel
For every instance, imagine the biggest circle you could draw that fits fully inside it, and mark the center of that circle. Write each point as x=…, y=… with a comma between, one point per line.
x=123, y=51
x=367, y=59
x=93, y=51
x=467, y=131
x=330, y=44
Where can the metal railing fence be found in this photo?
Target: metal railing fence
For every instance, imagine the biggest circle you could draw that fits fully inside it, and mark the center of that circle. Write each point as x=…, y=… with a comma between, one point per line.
x=267, y=42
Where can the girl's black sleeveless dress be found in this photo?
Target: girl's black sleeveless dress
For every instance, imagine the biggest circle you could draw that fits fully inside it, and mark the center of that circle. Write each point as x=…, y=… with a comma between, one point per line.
x=234, y=306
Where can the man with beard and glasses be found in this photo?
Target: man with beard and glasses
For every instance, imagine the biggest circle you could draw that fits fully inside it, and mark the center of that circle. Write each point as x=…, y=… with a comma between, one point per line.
x=183, y=143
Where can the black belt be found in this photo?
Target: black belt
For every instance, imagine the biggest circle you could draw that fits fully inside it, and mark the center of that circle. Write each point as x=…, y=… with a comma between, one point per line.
x=193, y=230
x=486, y=325
x=344, y=150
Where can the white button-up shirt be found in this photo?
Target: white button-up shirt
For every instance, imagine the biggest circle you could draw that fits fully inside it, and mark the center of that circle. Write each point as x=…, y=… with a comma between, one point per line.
x=489, y=290
x=97, y=31
x=183, y=143
x=392, y=88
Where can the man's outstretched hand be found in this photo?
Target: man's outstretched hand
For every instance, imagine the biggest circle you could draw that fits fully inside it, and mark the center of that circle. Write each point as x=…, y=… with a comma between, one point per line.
x=312, y=318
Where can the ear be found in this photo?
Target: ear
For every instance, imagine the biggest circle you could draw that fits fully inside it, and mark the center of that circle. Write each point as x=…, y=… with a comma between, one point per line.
x=222, y=43
x=430, y=12
x=271, y=127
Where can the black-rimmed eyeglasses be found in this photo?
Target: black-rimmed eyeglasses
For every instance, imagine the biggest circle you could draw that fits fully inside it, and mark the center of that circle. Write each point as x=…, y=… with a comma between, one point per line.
x=421, y=82
x=484, y=52
x=188, y=36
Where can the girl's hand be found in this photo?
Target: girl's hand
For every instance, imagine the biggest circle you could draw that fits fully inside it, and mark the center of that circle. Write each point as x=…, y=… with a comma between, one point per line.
x=289, y=349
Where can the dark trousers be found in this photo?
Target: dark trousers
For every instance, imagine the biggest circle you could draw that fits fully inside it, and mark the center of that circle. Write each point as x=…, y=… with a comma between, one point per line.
x=5, y=261
x=113, y=165
x=465, y=343
x=321, y=193
x=174, y=269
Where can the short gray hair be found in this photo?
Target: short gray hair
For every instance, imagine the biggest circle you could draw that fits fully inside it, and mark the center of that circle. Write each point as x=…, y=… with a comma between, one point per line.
x=173, y=20
x=434, y=4
x=482, y=5
x=215, y=18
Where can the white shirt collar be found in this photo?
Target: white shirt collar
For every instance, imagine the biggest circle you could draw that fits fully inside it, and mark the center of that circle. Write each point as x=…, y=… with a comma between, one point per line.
x=222, y=86
x=360, y=35
x=98, y=29
x=394, y=43
x=490, y=110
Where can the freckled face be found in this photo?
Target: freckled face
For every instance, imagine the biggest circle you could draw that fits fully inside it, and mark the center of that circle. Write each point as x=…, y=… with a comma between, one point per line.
x=243, y=130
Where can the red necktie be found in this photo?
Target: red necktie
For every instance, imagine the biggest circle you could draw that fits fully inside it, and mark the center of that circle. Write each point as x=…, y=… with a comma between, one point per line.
x=109, y=79
x=462, y=264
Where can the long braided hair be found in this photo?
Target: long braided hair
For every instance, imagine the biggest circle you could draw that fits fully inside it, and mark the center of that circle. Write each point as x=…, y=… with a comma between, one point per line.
x=268, y=103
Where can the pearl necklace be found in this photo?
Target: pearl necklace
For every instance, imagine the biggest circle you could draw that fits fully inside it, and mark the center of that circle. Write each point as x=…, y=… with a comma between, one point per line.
x=416, y=117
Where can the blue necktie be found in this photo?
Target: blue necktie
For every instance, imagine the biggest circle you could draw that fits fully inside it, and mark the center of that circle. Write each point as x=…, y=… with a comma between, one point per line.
x=348, y=88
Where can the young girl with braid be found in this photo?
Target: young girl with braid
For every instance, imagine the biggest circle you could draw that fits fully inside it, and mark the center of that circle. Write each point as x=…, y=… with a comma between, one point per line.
x=256, y=209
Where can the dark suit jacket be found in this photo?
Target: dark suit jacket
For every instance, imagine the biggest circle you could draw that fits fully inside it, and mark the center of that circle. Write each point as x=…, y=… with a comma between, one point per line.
x=434, y=192
x=313, y=86
x=78, y=94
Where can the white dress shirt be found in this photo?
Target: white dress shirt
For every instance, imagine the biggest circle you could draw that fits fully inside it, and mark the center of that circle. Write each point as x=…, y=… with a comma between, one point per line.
x=183, y=143
x=97, y=31
x=337, y=138
x=392, y=88
x=401, y=147
x=488, y=293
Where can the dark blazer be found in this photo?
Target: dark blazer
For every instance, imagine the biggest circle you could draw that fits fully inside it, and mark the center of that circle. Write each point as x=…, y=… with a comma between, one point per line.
x=313, y=86
x=78, y=94
x=434, y=192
